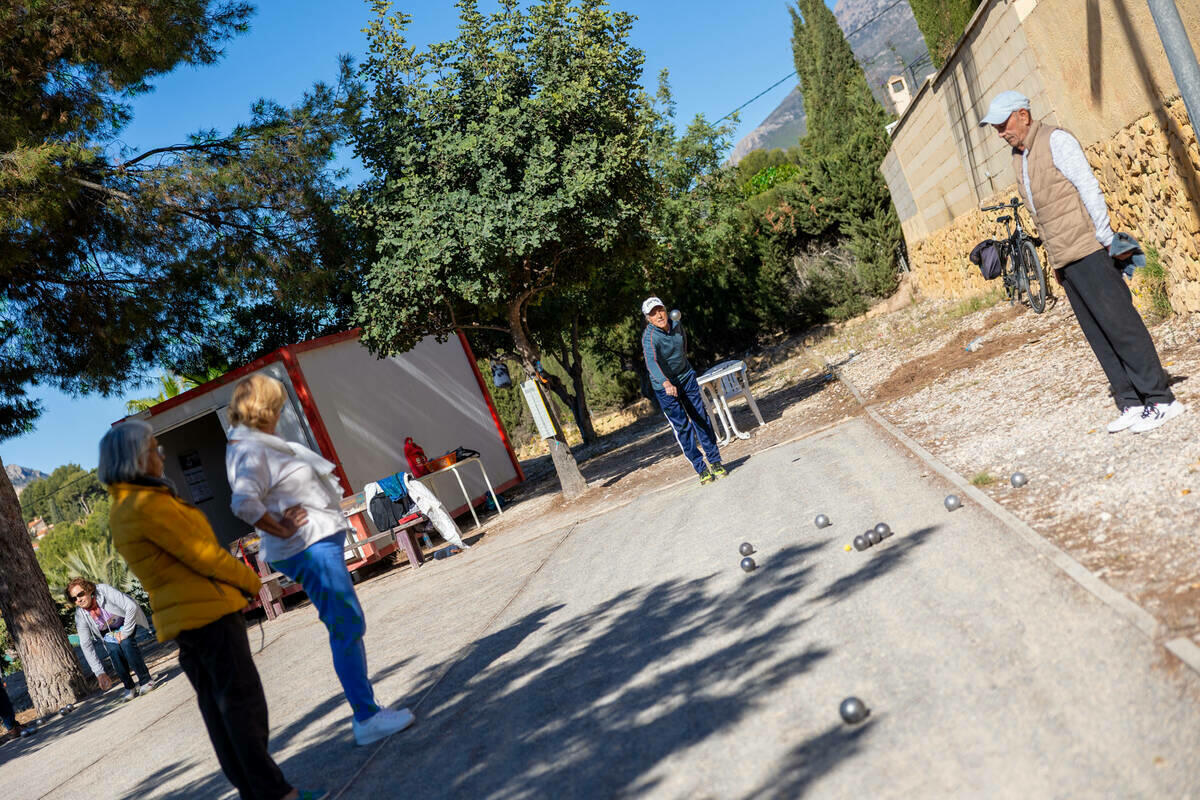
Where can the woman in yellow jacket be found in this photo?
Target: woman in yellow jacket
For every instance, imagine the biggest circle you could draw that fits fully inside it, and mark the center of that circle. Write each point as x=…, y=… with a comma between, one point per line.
x=197, y=591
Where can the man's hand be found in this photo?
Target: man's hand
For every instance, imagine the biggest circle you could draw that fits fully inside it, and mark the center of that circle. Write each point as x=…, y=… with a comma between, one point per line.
x=117, y=634
x=104, y=681
x=1128, y=254
x=670, y=389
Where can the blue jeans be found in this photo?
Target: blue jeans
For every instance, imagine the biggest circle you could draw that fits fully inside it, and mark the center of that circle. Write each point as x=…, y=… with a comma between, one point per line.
x=321, y=570
x=126, y=657
x=690, y=424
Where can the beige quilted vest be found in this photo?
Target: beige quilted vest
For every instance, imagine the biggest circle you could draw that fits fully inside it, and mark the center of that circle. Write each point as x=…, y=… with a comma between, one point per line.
x=1062, y=219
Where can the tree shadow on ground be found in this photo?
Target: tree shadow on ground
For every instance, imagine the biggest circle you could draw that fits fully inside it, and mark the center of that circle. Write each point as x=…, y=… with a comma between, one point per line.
x=592, y=705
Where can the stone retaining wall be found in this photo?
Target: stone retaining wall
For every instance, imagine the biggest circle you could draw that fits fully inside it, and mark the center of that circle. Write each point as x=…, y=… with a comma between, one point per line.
x=1150, y=174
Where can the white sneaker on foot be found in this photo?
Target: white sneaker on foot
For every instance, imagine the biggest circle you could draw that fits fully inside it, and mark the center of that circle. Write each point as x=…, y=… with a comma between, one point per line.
x=129, y=694
x=1156, y=414
x=148, y=686
x=382, y=725
x=1130, y=415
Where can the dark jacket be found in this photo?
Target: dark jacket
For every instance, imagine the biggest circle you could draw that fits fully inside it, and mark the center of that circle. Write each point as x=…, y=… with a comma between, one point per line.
x=386, y=513
x=666, y=355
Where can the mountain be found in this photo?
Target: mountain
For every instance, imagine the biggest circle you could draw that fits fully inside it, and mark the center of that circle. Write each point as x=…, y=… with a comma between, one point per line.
x=22, y=476
x=886, y=41
x=783, y=127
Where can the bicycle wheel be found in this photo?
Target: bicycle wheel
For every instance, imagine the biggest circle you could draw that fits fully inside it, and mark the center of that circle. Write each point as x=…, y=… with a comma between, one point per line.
x=1035, y=276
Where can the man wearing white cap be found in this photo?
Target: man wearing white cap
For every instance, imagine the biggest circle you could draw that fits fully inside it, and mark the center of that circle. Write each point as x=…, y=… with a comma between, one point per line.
x=664, y=344
x=1061, y=192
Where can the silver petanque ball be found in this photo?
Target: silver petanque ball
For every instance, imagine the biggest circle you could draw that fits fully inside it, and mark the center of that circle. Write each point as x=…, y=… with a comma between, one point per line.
x=861, y=543
x=746, y=548
x=1018, y=480
x=821, y=521
x=675, y=315
x=873, y=536
x=853, y=710
x=748, y=564
x=883, y=530
x=952, y=502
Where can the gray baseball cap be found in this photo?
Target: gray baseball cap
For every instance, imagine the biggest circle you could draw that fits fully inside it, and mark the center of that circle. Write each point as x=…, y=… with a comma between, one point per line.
x=1002, y=107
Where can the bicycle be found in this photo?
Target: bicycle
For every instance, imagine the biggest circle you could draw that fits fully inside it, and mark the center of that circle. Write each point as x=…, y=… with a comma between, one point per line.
x=1022, y=269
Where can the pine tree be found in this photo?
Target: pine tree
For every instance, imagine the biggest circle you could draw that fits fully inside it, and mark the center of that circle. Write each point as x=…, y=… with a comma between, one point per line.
x=845, y=144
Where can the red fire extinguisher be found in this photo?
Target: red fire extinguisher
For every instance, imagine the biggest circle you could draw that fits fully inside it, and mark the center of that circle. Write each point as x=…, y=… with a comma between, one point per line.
x=416, y=458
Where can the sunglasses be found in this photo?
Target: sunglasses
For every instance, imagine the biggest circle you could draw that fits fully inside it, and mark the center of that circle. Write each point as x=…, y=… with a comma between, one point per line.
x=78, y=597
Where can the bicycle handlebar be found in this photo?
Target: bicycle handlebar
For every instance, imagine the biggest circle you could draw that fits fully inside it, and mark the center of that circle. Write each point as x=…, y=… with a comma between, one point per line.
x=1013, y=204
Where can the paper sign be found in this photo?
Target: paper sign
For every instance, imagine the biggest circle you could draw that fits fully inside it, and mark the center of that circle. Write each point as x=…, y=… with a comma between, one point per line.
x=537, y=407
x=193, y=475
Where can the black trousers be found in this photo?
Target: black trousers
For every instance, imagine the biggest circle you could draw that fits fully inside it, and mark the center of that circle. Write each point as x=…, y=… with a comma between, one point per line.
x=1104, y=308
x=216, y=658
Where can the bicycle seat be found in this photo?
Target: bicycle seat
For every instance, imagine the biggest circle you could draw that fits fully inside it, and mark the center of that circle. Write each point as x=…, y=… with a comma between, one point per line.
x=1005, y=218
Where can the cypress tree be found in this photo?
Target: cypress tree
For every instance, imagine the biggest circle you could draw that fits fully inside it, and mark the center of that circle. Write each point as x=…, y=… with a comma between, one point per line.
x=845, y=144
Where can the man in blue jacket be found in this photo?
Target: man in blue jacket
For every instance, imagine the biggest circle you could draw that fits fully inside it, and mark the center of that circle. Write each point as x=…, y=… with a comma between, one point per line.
x=664, y=344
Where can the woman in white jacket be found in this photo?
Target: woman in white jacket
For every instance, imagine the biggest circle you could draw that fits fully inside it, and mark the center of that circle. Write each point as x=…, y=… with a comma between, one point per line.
x=108, y=616
x=289, y=493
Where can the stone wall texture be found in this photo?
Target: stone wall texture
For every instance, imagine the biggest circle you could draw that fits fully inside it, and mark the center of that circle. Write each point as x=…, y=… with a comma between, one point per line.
x=1150, y=174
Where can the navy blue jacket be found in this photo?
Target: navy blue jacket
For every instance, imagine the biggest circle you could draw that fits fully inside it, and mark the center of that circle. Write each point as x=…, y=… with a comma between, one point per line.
x=666, y=355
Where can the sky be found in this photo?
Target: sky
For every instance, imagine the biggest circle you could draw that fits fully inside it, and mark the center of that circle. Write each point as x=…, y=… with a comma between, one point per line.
x=719, y=54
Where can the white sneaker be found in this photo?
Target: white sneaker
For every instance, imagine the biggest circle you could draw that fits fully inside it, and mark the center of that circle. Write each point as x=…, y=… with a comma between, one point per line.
x=382, y=725
x=129, y=694
x=148, y=686
x=1129, y=416
x=1156, y=414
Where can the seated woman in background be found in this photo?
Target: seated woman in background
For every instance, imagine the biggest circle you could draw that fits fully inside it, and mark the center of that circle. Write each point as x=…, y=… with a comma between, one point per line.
x=197, y=593
x=108, y=616
x=290, y=495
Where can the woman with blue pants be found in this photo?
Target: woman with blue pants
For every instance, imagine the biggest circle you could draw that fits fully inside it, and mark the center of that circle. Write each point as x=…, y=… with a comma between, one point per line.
x=290, y=495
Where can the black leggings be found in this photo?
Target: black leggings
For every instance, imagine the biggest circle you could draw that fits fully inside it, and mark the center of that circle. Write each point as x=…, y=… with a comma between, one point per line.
x=217, y=660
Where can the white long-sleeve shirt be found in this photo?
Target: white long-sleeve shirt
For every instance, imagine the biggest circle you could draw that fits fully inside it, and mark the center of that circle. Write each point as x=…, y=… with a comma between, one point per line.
x=267, y=479
x=1073, y=164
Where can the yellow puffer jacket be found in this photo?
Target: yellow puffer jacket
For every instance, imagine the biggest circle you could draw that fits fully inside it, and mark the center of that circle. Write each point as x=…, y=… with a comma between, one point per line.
x=172, y=549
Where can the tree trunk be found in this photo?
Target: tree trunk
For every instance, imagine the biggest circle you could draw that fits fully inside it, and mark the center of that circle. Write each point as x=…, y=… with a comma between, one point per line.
x=570, y=479
x=583, y=416
x=52, y=673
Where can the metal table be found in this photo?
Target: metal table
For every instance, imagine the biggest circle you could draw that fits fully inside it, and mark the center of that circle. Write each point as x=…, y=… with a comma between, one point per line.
x=454, y=468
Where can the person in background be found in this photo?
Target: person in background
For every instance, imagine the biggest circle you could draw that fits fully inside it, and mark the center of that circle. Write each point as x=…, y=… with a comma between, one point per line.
x=197, y=592
x=108, y=616
x=664, y=345
x=290, y=495
x=8, y=716
x=1060, y=190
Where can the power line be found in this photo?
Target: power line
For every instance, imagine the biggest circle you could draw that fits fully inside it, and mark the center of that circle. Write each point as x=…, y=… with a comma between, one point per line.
x=760, y=94
x=871, y=21
x=874, y=18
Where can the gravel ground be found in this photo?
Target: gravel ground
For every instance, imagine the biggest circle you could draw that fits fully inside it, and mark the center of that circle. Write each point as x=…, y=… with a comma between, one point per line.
x=1034, y=399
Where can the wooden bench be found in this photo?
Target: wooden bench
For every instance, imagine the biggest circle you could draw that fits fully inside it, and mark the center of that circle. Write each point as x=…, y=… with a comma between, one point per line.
x=404, y=535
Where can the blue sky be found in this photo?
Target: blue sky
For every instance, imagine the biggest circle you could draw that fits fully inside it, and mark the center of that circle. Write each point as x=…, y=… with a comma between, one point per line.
x=720, y=55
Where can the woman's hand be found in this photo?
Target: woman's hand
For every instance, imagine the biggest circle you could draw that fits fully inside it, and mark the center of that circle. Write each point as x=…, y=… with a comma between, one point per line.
x=286, y=526
x=294, y=518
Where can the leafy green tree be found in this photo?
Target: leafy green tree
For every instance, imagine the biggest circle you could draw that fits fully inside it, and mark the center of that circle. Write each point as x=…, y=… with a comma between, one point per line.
x=113, y=261
x=506, y=165
x=173, y=386
x=845, y=144
x=942, y=22
x=65, y=495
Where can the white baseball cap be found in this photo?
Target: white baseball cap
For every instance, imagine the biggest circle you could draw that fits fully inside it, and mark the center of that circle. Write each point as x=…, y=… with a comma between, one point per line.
x=1002, y=107
x=652, y=303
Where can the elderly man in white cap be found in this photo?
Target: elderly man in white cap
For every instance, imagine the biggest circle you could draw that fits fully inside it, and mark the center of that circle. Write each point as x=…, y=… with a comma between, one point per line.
x=664, y=344
x=1061, y=192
